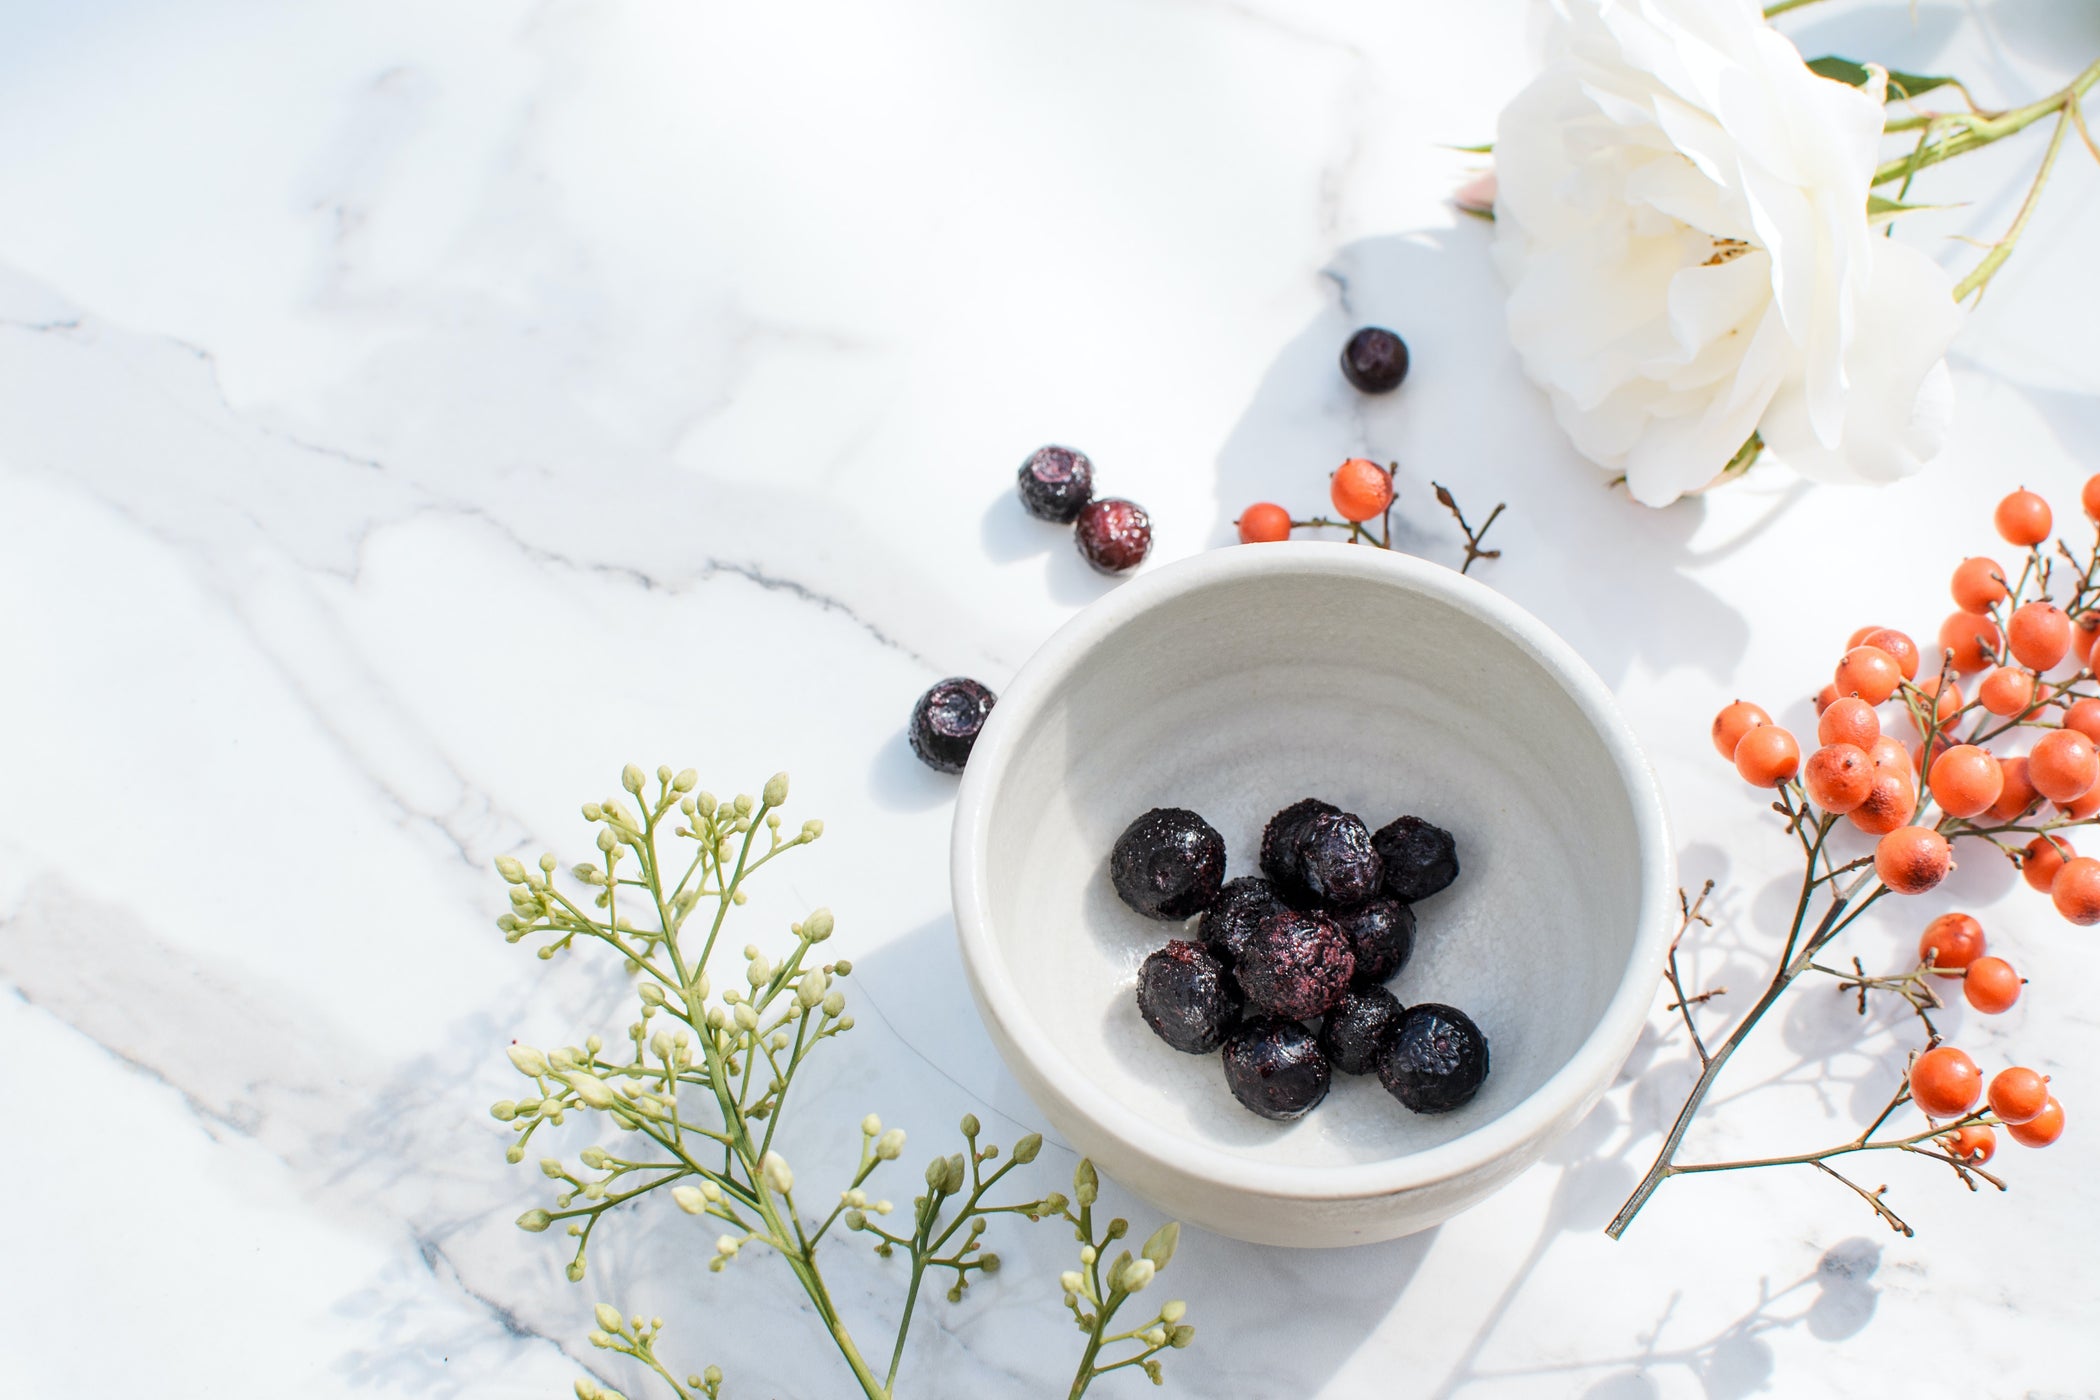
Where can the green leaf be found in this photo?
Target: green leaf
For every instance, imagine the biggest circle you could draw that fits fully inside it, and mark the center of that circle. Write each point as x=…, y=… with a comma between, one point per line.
x=1901, y=84
x=1880, y=209
x=1485, y=148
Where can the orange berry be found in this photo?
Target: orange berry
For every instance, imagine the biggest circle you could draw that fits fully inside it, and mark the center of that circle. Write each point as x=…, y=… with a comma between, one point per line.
x=2039, y=633
x=1966, y=780
x=1974, y=1144
x=1838, y=777
x=1972, y=637
x=1890, y=803
x=1767, y=756
x=1978, y=583
x=2023, y=518
x=1897, y=645
x=1945, y=694
x=1361, y=489
x=1888, y=755
x=1852, y=720
x=2018, y=1094
x=2042, y=1129
x=2043, y=858
x=2006, y=691
x=1991, y=985
x=1264, y=522
x=1868, y=672
x=2092, y=656
x=2063, y=765
x=1912, y=859
x=2079, y=809
x=2089, y=497
x=1860, y=634
x=2084, y=716
x=1951, y=942
x=2076, y=890
x=2018, y=793
x=1735, y=720
x=1825, y=698
x=1945, y=1082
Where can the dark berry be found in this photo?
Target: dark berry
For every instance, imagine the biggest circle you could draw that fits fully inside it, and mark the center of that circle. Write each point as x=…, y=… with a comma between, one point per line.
x=945, y=722
x=1297, y=964
x=1238, y=912
x=1055, y=483
x=1357, y=1030
x=1276, y=1068
x=1337, y=865
x=1381, y=934
x=1436, y=1060
x=1168, y=864
x=1187, y=998
x=1420, y=859
x=1113, y=535
x=1279, y=845
x=1375, y=360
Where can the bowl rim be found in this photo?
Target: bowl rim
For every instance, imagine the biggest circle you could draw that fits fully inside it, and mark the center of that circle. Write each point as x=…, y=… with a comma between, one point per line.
x=1587, y=1072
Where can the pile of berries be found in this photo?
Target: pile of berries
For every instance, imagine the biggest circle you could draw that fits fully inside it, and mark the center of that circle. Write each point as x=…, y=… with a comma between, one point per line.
x=1315, y=936
x=1112, y=534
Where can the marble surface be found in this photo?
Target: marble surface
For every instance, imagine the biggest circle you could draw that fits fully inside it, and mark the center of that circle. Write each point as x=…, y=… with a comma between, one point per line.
x=411, y=413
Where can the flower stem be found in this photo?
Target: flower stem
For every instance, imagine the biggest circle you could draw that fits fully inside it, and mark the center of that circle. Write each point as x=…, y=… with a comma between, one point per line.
x=1982, y=273
x=1971, y=132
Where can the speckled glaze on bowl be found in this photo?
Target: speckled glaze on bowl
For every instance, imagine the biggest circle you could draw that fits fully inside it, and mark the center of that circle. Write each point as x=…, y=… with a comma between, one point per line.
x=1235, y=683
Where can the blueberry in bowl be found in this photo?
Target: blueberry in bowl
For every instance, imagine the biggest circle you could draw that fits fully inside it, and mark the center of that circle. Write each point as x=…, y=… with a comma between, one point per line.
x=1275, y=1068
x=1381, y=934
x=1188, y=998
x=1419, y=859
x=1168, y=864
x=1297, y=965
x=1238, y=911
x=1436, y=1059
x=1356, y=1031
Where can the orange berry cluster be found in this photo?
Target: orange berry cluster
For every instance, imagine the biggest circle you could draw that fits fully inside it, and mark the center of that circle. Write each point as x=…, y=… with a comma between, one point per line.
x=1360, y=489
x=1946, y=1083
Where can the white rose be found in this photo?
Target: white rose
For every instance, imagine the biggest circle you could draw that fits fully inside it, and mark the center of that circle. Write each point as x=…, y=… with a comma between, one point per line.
x=1681, y=215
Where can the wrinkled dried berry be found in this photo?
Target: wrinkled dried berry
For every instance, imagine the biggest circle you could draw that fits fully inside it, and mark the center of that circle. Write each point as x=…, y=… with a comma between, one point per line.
x=1337, y=865
x=1276, y=1068
x=1375, y=360
x=1168, y=864
x=1420, y=859
x=945, y=722
x=1113, y=535
x=1237, y=912
x=1055, y=483
x=1279, y=844
x=1436, y=1061
x=1381, y=934
x=1356, y=1031
x=1187, y=998
x=1297, y=964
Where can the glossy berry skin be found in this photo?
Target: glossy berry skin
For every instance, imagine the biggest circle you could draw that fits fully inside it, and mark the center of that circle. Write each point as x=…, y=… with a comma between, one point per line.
x=2043, y=859
x=1951, y=942
x=1966, y=780
x=2076, y=890
x=1767, y=756
x=1421, y=858
x=2039, y=634
x=1113, y=535
x=2022, y=518
x=1436, y=1061
x=1972, y=637
x=1188, y=998
x=1890, y=803
x=1381, y=935
x=1889, y=756
x=1355, y=1033
x=2042, y=1129
x=2006, y=691
x=1978, y=583
x=946, y=720
x=1898, y=645
x=1375, y=360
x=2084, y=716
x=1991, y=986
x=1912, y=859
x=1361, y=490
x=1235, y=914
x=1276, y=1069
x=1297, y=965
x=1838, y=777
x=1264, y=522
x=1825, y=698
x=1055, y=483
x=1974, y=1144
x=2063, y=765
x=1945, y=1082
x=1279, y=843
x=1868, y=672
x=1849, y=720
x=1168, y=864
x=2089, y=497
x=1337, y=867
x=2018, y=1095
x=2018, y=794
x=1734, y=721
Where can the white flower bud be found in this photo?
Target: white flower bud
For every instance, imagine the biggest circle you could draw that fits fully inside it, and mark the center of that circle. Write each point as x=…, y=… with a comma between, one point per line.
x=834, y=1002
x=535, y=1221
x=503, y=1110
x=1174, y=1311
x=1136, y=1275
x=660, y=1045
x=746, y=1018
x=774, y=1168
x=528, y=1060
x=591, y=1089
x=1071, y=1280
x=727, y=1246
x=550, y=1166
x=689, y=1200
x=759, y=973
x=510, y=869
x=776, y=789
x=711, y=1191
x=686, y=781
x=812, y=829
x=608, y=1317
x=817, y=927
x=631, y=779
x=810, y=992
x=890, y=1146
x=871, y=1126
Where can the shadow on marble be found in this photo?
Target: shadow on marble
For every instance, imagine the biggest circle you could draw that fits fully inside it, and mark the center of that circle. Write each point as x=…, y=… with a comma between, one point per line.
x=898, y=782
x=1468, y=418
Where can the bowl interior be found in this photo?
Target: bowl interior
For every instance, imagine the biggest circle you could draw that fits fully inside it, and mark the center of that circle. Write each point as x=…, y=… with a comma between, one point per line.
x=1247, y=693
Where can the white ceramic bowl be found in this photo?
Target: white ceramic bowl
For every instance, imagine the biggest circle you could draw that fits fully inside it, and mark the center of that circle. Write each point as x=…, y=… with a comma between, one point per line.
x=1235, y=683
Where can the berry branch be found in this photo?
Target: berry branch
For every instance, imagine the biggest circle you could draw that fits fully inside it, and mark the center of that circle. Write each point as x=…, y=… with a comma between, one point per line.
x=1362, y=491
x=2015, y=637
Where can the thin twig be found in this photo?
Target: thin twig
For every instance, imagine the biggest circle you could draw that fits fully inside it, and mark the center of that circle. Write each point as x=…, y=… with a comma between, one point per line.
x=1473, y=536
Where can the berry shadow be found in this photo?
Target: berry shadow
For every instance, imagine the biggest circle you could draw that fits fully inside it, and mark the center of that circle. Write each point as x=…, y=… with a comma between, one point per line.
x=899, y=782
x=1467, y=417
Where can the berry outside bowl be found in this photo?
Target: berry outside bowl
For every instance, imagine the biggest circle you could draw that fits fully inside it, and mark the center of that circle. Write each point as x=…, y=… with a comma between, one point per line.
x=1235, y=683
